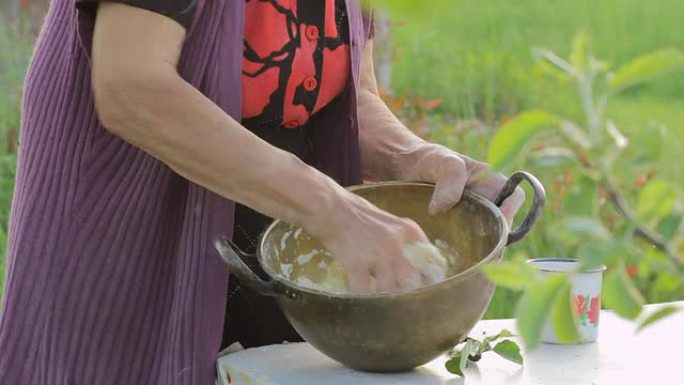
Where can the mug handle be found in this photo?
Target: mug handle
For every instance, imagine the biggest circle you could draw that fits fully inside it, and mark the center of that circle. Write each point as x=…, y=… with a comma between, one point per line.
x=238, y=262
x=537, y=203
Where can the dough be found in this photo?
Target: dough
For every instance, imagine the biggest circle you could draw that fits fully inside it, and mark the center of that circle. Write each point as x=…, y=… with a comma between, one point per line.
x=306, y=263
x=428, y=260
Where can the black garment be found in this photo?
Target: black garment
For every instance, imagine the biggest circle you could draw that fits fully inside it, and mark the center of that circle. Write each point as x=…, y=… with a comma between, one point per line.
x=181, y=11
x=251, y=318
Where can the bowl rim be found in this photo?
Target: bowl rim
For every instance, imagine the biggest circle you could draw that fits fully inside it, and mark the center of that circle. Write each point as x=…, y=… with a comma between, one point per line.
x=496, y=251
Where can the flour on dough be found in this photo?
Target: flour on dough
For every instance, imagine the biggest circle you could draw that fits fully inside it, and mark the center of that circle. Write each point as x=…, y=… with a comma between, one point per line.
x=428, y=260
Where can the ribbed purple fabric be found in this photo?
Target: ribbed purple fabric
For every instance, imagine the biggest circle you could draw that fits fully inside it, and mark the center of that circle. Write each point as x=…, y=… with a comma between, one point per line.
x=112, y=278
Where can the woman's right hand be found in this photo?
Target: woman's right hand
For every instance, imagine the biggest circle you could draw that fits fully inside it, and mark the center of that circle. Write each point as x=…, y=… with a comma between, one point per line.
x=370, y=242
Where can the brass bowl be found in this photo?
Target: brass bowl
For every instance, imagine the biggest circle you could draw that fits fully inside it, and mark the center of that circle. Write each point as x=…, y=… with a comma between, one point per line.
x=394, y=331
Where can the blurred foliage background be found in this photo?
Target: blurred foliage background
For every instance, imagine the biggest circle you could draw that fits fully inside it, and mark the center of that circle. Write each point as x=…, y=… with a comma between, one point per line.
x=480, y=76
x=586, y=95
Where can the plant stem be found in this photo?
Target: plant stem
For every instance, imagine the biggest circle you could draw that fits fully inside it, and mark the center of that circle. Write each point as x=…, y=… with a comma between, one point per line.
x=644, y=233
x=628, y=214
x=584, y=83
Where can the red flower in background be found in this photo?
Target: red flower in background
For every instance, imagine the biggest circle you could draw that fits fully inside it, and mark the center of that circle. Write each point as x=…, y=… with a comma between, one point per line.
x=632, y=271
x=594, y=309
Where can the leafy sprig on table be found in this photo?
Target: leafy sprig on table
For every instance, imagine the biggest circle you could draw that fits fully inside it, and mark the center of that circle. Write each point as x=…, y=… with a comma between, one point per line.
x=471, y=350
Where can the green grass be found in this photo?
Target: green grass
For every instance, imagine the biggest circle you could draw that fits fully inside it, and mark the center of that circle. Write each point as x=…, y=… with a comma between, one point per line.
x=476, y=54
x=641, y=118
x=16, y=44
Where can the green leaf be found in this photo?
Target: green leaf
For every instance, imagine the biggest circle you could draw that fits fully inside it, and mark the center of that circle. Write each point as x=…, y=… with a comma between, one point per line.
x=620, y=294
x=459, y=360
x=573, y=132
x=453, y=365
x=547, y=56
x=650, y=142
x=510, y=351
x=563, y=317
x=544, y=66
x=647, y=67
x=593, y=254
x=534, y=306
x=509, y=142
x=666, y=283
x=657, y=315
x=471, y=347
x=504, y=333
x=586, y=228
x=656, y=200
x=580, y=56
x=582, y=197
x=513, y=275
x=669, y=225
x=486, y=346
x=553, y=157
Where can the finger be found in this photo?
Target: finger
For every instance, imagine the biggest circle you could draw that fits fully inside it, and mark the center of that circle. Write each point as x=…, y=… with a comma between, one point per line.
x=486, y=183
x=385, y=277
x=449, y=187
x=407, y=277
x=358, y=280
x=413, y=232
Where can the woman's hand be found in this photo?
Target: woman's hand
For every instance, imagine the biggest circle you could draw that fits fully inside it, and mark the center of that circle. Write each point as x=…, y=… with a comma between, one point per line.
x=390, y=151
x=452, y=173
x=370, y=242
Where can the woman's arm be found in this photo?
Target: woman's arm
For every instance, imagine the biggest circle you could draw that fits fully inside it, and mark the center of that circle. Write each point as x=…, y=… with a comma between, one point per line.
x=141, y=98
x=384, y=139
x=390, y=151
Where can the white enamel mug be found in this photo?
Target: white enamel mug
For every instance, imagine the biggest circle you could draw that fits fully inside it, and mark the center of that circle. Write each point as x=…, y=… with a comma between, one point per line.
x=586, y=295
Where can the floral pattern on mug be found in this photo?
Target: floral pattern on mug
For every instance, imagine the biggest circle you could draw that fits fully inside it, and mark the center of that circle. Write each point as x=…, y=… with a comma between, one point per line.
x=587, y=308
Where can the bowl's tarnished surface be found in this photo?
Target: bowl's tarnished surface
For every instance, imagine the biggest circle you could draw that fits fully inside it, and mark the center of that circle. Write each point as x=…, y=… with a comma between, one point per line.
x=465, y=235
x=395, y=331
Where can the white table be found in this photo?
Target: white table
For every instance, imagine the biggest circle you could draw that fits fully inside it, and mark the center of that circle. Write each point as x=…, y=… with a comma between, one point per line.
x=619, y=357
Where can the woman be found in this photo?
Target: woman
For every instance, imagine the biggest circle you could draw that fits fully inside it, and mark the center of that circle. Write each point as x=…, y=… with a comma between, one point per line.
x=143, y=122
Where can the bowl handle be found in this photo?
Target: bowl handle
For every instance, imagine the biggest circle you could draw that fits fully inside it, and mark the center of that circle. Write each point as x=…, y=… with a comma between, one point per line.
x=537, y=203
x=239, y=264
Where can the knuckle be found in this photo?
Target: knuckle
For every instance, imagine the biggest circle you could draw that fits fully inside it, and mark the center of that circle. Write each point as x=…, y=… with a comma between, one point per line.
x=456, y=166
x=452, y=167
x=479, y=167
x=412, y=228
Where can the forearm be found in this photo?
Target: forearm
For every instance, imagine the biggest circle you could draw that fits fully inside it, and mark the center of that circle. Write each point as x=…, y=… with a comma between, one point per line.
x=171, y=120
x=387, y=146
x=389, y=150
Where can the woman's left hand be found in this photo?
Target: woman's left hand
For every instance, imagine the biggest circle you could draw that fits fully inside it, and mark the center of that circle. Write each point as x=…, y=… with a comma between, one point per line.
x=451, y=173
